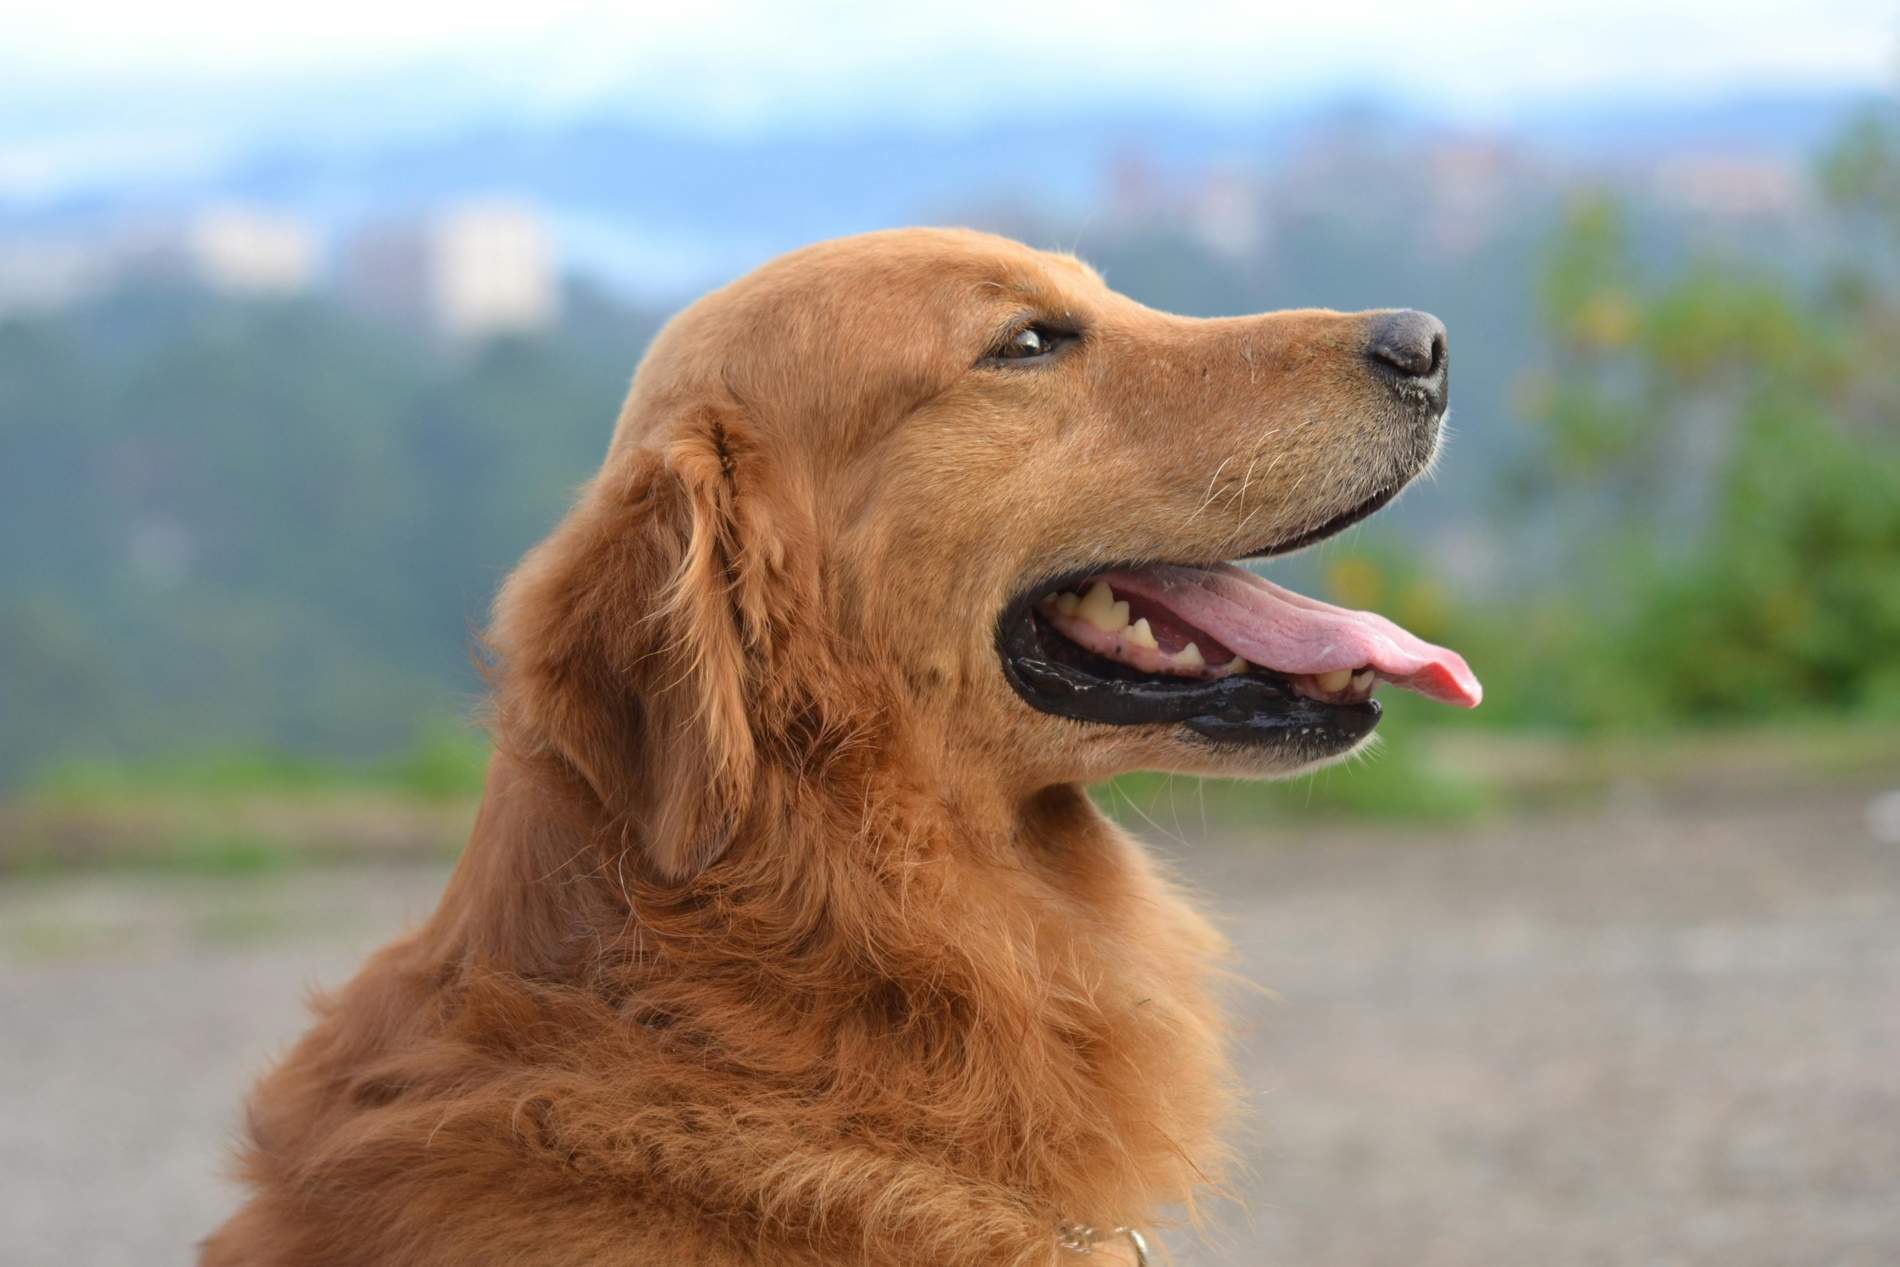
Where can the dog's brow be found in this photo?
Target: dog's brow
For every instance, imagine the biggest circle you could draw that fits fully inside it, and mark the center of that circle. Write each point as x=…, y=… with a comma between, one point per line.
x=1023, y=287
x=1030, y=299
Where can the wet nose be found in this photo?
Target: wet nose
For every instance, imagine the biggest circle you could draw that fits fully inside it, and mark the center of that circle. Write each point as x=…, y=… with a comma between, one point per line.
x=1410, y=346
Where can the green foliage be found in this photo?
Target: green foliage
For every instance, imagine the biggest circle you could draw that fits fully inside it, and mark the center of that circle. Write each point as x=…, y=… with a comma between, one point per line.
x=1861, y=173
x=269, y=526
x=1795, y=603
x=1726, y=441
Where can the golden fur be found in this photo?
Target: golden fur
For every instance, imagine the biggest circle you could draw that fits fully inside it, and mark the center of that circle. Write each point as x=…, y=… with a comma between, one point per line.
x=786, y=934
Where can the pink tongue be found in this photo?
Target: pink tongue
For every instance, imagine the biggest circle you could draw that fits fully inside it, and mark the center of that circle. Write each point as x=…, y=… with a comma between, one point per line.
x=1291, y=633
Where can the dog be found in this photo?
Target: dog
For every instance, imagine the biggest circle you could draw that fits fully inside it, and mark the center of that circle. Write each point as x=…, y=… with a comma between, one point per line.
x=786, y=933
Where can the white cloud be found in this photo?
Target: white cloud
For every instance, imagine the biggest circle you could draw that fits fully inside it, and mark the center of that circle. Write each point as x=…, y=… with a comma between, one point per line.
x=749, y=56
x=91, y=81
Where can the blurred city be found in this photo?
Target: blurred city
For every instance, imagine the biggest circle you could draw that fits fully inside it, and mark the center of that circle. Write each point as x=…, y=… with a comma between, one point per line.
x=297, y=356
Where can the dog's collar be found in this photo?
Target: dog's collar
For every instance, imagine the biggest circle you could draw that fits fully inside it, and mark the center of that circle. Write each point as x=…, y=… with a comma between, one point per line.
x=1081, y=1239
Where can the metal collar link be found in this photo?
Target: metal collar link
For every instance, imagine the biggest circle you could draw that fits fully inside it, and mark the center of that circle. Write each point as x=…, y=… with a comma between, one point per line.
x=1080, y=1238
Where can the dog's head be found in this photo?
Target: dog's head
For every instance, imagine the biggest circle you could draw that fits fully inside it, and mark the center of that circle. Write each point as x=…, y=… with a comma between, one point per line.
x=939, y=492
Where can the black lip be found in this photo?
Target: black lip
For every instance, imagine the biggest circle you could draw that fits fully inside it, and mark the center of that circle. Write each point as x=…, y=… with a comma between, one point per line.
x=1054, y=675
x=1337, y=524
x=1259, y=707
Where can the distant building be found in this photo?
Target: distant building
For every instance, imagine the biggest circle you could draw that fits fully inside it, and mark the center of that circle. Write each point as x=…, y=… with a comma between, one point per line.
x=238, y=249
x=1728, y=186
x=230, y=249
x=1228, y=214
x=472, y=271
x=1472, y=189
x=48, y=272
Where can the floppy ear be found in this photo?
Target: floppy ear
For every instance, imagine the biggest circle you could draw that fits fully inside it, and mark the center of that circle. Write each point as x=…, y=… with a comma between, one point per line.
x=633, y=641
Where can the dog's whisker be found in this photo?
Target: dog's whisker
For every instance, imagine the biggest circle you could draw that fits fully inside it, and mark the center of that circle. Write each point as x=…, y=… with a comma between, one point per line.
x=1208, y=498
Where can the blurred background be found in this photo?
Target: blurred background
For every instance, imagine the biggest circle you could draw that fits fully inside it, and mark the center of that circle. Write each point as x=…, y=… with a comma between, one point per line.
x=311, y=320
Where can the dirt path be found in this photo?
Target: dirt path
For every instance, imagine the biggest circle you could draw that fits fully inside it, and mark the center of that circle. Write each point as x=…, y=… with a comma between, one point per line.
x=1638, y=1038
x=135, y=1010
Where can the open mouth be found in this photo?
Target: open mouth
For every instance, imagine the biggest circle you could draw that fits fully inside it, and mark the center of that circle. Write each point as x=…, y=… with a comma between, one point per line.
x=1225, y=653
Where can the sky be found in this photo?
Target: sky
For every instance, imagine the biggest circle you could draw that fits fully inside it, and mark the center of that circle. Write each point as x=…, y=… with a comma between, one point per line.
x=98, y=85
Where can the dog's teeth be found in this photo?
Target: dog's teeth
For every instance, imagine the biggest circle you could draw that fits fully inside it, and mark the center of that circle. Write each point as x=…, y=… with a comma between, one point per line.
x=1334, y=681
x=1139, y=634
x=1098, y=607
x=1189, y=657
x=1362, y=680
x=1237, y=665
x=1066, y=603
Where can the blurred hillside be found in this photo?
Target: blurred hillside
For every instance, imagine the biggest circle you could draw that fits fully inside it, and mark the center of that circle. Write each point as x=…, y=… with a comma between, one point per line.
x=227, y=524
x=269, y=515
x=662, y=208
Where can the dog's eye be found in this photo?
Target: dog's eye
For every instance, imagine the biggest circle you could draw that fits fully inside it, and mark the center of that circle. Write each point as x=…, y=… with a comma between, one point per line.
x=1026, y=342
x=1030, y=342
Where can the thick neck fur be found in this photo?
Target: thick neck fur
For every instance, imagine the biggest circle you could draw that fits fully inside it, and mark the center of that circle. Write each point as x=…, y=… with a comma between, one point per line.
x=884, y=1028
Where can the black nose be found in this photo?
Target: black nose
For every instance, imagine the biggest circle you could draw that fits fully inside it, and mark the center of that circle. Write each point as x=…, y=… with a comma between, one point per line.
x=1411, y=346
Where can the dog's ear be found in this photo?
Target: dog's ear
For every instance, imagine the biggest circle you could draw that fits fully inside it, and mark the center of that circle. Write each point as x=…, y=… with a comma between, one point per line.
x=634, y=642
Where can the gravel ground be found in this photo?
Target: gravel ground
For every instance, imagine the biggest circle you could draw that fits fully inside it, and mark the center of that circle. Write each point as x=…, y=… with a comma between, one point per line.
x=1649, y=1036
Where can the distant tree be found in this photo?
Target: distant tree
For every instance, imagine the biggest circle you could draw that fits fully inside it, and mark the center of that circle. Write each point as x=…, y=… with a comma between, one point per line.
x=1735, y=436
x=231, y=526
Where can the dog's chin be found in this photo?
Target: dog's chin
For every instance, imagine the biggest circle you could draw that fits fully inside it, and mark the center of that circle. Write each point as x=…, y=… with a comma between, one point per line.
x=1177, y=750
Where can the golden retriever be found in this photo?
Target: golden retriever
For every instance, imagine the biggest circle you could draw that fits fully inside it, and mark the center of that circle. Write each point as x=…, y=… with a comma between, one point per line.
x=787, y=934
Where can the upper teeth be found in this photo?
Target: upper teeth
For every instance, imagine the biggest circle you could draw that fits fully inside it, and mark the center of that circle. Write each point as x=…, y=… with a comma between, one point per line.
x=1100, y=608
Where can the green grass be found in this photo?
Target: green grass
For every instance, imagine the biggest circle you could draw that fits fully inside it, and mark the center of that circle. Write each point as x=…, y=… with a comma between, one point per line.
x=1391, y=782
x=257, y=814
x=165, y=853
x=245, y=813
x=446, y=764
